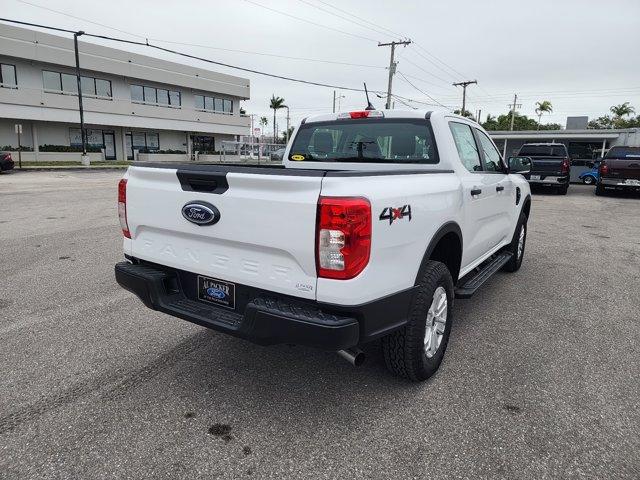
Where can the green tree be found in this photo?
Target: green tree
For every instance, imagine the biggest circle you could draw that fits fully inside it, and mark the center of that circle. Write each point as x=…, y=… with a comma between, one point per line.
x=276, y=104
x=520, y=122
x=466, y=113
x=543, y=107
x=264, y=121
x=284, y=134
x=622, y=110
x=601, y=123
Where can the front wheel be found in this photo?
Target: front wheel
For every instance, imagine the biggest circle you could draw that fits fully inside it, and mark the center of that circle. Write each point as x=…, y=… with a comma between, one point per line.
x=416, y=350
x=516, y=247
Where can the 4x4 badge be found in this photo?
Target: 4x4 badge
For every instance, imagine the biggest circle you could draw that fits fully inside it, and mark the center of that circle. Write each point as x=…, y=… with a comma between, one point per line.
x=392, y=214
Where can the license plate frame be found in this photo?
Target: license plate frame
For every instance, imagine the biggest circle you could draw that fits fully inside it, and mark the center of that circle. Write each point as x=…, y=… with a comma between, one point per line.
x=217, y=292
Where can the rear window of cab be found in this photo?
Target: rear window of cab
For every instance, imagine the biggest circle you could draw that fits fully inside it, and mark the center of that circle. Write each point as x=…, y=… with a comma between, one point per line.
x=366, y=140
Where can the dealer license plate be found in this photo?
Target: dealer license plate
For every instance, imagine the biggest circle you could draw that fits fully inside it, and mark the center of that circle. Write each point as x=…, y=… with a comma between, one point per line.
x=535, y=177
x=632, y=182
x=219, y=292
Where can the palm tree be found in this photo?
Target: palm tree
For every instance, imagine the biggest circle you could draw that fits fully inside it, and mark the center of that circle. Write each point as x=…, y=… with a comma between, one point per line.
x=264, y=121
x=276, y=104
x=622, y=110
x=543, y=107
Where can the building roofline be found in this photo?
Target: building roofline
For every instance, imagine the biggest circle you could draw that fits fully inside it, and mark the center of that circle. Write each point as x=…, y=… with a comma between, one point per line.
x=30, y=44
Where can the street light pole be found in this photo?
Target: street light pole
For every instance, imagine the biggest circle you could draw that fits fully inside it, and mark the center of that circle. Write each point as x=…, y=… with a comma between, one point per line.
x=83, y=133
x=287, y=132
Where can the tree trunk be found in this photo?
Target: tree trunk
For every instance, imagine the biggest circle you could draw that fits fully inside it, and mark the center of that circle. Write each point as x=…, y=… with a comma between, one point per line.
x=274, y=125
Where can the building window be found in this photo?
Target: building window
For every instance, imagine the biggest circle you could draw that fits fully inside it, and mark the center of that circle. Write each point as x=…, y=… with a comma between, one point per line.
x=144, y=141
x=155, y=96
x=67, y=83
x=8, y=78
x=213, y=104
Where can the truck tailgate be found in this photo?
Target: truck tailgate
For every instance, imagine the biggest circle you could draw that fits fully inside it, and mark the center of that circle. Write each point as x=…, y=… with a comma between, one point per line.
x=546, y=166
x=265, y=237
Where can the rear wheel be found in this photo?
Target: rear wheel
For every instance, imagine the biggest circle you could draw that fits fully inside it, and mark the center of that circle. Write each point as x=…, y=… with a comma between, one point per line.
x=563, y=190
x=415, y=351
x=600, y=189
x=588, y=180
x=516, y=247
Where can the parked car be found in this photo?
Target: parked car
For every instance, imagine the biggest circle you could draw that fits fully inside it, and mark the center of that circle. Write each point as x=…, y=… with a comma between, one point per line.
x=550, y=165
x=277, y=155
x=590, y=177
x=372, y=226
x=6, y=162
x=619, y=170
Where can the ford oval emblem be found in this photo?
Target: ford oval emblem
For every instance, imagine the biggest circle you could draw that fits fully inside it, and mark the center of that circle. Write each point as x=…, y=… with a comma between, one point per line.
x=216, y=293
x=201, y=213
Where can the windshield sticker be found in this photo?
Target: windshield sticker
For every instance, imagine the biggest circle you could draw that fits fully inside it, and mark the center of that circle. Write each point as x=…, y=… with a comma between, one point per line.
x=297, y=157
x=392, y=214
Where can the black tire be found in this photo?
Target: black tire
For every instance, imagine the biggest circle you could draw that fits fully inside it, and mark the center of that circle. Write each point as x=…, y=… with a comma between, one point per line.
x=563, y=190
x=514, y=264
x=600, y=190
x=404, y=350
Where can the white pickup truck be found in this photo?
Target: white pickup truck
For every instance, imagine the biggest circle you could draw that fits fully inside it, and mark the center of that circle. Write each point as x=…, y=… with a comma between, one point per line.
x=373, y=224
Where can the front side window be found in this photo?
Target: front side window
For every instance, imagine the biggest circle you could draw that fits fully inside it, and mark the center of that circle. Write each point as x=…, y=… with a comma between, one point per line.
x=8, y=76
x=492, y=158
x=466, y=146
x=371, y=140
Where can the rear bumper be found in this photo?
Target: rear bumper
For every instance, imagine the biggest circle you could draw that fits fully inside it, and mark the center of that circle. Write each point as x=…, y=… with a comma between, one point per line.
x=620, y=183
x=550, y=180
x=265, y=318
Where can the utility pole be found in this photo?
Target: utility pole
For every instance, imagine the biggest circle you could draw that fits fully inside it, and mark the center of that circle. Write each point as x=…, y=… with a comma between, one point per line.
x=513, y=109
x=334, y=101
x=83, y=133
x=464, y=86
x=392, y=66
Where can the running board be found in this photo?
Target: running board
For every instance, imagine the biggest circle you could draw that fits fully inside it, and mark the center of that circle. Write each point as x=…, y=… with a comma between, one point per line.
x=474, y=281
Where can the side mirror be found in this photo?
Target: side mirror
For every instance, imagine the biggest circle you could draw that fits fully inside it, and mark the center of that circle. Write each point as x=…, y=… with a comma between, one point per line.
x=519, y=165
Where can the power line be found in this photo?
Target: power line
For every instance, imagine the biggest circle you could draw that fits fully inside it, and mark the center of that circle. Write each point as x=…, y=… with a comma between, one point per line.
x=186, y=44
x=309, y=21
x=186, y=55
x=424, y=93
x=350, y=18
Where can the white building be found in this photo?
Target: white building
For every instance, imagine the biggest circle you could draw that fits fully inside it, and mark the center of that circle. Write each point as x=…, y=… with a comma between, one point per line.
x=131, y=101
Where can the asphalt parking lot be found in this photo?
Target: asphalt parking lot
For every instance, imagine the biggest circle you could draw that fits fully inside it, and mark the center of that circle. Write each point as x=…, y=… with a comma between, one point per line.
x=541, y=378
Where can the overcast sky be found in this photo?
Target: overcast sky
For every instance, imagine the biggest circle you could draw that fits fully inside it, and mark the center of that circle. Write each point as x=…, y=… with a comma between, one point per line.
x=582, y=55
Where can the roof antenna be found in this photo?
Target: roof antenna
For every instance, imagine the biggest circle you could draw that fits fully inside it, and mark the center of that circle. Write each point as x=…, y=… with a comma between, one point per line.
x=369, y=105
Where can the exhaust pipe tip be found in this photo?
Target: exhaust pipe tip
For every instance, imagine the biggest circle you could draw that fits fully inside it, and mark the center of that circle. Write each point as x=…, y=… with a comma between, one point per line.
x=354, y=356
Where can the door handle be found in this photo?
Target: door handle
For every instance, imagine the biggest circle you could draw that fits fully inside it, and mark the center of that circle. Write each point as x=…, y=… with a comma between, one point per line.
x=499, y=188
x=476, y=191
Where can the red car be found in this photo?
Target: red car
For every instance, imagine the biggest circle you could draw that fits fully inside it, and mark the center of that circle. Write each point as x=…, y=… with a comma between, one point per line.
x=6, y=162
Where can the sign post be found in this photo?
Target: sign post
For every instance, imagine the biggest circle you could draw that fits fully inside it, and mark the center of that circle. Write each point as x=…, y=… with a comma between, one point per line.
x=19, y=132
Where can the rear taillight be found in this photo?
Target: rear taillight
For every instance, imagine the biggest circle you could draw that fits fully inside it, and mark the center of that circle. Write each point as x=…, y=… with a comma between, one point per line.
x=361, y=114
x=604, y=169
x=566, y=166
x=8, y=157
x=122, y=207
x=343, y=241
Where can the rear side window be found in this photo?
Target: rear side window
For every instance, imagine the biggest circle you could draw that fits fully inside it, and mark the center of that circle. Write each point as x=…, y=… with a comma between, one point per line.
x=544, y=151
x=623, y=152
x=466, y=145
x=369, y=140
